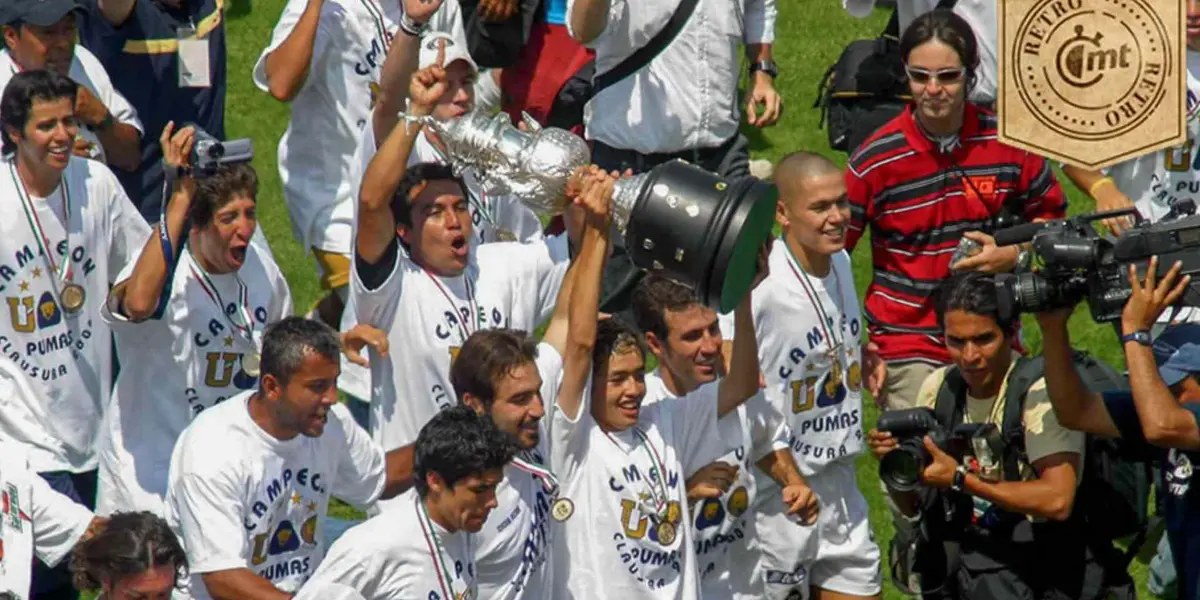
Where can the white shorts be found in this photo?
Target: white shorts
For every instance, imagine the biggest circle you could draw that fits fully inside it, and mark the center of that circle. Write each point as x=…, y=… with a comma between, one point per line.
x=838, y=554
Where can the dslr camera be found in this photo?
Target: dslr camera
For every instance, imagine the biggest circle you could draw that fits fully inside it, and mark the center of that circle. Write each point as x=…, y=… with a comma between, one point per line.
x=901, y=468
x=1077, y=263
x=208, y=153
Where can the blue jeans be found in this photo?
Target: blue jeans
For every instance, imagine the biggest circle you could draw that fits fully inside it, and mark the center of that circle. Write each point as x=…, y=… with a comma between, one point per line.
x=55, y=583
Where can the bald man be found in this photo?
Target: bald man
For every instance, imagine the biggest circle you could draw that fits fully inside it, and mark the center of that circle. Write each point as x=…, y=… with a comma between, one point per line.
x=808, y=322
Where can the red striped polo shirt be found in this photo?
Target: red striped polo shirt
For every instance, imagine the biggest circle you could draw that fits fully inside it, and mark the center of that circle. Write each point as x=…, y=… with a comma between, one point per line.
x=918, y=202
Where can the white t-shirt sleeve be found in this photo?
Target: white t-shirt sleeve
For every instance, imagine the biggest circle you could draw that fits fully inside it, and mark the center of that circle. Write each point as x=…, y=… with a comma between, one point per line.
x=568, y=437
x=284, y=27
x=120, y=108
x=208, y=506
x=58, y=522
x=760, y=21
x=281, y=300
x=361, y=474
x=377, y=306
x=769, y=431
x=127, y=228
x=548, y=270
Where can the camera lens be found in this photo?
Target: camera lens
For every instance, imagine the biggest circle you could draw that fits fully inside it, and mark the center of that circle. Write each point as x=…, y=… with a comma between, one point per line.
x=901, y=468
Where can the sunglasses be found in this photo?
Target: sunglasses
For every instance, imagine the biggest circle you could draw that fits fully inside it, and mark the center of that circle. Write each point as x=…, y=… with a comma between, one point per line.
x=918, y=75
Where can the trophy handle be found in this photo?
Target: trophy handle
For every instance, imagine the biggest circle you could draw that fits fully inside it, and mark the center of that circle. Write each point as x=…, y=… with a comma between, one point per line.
x=531, y=125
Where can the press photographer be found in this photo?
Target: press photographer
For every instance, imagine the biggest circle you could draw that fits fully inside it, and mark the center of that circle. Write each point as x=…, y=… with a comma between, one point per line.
x=985, y=474
x=1159, y=416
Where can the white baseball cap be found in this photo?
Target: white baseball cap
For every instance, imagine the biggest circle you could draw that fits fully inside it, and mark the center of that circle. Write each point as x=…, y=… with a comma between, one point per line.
x=454, y=50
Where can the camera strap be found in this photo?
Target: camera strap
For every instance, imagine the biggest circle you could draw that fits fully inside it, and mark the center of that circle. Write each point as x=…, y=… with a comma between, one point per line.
x=636, y=61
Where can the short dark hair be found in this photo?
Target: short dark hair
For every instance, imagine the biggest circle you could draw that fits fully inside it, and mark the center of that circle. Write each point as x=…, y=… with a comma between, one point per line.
x=215, y=191
x=653, y=297
x=975, y=293
x=16, y=105
x=131, y=544
x=415, y=176
x=456, y=444
x=486, y=357
x=287, y=341
x=613, y=335
x=948, y=28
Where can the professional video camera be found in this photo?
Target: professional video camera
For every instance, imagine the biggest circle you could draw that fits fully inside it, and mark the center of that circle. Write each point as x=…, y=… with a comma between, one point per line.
x=208, y=153
x=1078, y=263
x=901, y=468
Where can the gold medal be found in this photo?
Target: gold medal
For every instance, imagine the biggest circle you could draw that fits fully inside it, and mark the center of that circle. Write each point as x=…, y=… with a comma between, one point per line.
x=72, y=298
x=666, y=533
x=251, y=363
x=562, y=509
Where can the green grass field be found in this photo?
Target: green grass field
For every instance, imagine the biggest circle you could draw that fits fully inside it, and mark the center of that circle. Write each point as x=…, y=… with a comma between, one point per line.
x=810, y=35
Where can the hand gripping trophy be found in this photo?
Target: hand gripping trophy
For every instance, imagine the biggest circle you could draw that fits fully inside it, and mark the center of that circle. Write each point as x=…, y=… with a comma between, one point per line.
x=677, y=219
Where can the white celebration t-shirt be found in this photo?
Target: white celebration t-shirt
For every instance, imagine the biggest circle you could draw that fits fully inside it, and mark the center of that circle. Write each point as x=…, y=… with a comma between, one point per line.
x=611, y=547
x=402, y=553
x=87, y=71
x=240, y=498
x=514, y=557
x=68, y=358
x=177, y=364
x=428, y=317
x=806, y=326
x=34, y=519
x=722, y=524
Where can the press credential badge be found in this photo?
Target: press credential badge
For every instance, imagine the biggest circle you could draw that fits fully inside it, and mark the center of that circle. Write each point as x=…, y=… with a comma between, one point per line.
x=193, y=59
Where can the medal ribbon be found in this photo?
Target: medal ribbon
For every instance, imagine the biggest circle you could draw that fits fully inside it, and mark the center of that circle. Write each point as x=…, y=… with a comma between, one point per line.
x=549, y=481
x=815, y=298
x=660, y=494
x=35, y=224
x=471, y=305
x=435, y=549
x=246, y=332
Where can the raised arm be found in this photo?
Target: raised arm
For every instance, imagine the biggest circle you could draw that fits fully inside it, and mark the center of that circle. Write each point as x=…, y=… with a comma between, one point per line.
x=1164, y=422
x=597, y=189
x=741, y=383
x=116, y=11
x=401, y=63
x=122, y=142
x=376, y=226
x=287, y=65
x=139, y=296
x=1075, y=406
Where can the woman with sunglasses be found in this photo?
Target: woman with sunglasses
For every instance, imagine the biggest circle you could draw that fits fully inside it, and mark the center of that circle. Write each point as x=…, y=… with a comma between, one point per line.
x=930, y=177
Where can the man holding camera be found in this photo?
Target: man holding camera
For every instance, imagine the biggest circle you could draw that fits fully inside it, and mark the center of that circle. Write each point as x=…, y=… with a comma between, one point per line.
x=993, y=509
x=1159, y=416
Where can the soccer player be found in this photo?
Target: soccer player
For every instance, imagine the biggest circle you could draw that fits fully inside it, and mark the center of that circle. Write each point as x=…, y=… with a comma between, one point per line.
x=807, y=317
x=420, y=278
x=250, y=478
x=36, y=520
x=623, y=466
x=685, y=336
x=189, y=318
x=325, y=58
x=425, y=546
x=70, y=230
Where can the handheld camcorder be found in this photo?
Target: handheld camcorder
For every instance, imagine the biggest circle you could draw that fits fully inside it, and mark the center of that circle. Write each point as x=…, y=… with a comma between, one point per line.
x=208, y=153
x=1078, y=263
x=901, y=468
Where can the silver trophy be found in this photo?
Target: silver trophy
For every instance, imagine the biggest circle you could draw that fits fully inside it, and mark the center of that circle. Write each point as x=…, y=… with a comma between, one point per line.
x=533, y=165
x=677, y=218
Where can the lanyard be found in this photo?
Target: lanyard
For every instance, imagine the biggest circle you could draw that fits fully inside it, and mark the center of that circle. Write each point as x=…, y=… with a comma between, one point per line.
x=244, y=331
x=531, y=466
x=434, y=544
x=35, y=224
x=463, y=329
x=815, y=298
x=659, y=494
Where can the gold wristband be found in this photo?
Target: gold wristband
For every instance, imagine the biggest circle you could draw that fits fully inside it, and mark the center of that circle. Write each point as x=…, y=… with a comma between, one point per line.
x=1100, y=182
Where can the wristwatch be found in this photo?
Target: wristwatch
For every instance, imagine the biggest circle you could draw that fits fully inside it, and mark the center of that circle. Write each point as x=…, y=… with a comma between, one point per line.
x=960, y=478
x=766, y=66
x=1141, y=336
